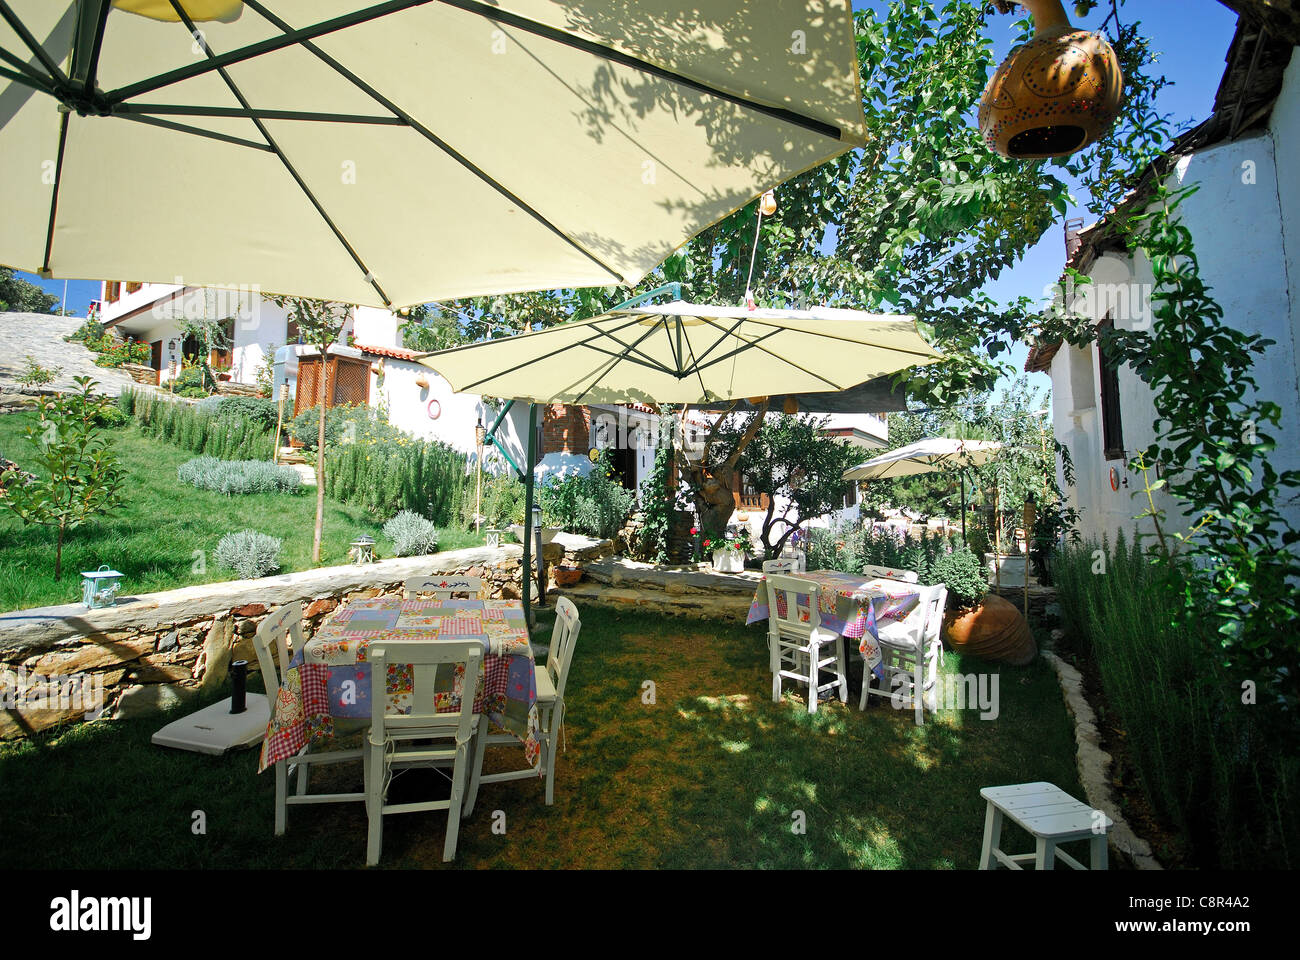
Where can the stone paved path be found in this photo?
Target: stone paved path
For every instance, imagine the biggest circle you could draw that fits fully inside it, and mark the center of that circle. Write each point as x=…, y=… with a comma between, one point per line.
x=41, y=336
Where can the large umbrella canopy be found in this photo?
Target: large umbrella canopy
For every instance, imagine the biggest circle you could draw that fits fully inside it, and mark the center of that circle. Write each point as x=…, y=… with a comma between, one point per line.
x=687, y=353
x=930, y=455
x=397, y=152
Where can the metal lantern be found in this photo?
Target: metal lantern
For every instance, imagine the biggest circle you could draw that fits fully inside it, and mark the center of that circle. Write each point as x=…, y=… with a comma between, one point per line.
x=1054, y=95
x=537, y=519
x=363, y=549
x=99, y=588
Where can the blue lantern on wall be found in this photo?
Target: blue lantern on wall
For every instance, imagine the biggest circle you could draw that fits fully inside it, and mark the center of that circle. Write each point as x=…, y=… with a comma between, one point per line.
x=99, y=587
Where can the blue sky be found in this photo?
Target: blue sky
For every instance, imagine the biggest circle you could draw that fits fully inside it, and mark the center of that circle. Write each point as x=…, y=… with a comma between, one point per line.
x=1193, y=37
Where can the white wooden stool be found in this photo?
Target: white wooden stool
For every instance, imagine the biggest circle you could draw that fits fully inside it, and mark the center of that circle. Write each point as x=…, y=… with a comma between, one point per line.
x=1051, y=816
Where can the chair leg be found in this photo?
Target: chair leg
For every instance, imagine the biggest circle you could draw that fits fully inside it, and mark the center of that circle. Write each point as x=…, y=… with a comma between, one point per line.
x=842, y=665
x=304, y=769
x=480, y=748
x=374, y=803
x=1098, y=852
x=992, y=837
x=866, y=685
x=281, y=795
x=549, y=744
x=776, y=684
x=453, y=809
x=918, y=690
x=1045, y=854
x=812, y=678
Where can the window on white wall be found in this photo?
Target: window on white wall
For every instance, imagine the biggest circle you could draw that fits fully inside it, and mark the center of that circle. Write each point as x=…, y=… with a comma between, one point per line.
x=1112, y=432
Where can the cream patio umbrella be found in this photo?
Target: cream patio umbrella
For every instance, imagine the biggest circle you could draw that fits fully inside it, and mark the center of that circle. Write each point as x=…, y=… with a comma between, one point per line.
x=688, y=353
x=929, y=456
x=394, y=152
x=682, y=353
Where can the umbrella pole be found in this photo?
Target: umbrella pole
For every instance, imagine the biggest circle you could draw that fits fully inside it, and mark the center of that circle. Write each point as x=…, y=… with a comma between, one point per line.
x=526, y=577
x=962, y=475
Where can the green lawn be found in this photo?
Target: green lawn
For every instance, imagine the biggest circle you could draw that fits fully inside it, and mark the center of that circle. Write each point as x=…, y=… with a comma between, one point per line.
x=709, y=775
x=165, y=528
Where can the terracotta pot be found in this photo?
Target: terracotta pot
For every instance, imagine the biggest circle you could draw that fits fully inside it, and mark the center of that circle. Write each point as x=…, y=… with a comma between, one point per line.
x=1054, y=95
x=995, y=630
x=567, y=576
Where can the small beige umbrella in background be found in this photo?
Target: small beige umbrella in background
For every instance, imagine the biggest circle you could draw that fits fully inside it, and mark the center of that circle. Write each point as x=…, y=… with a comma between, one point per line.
x=929, y=456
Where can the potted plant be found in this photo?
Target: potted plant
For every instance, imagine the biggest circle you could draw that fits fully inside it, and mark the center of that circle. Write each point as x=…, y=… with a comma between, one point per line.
x=729, y=550
x=976, y=621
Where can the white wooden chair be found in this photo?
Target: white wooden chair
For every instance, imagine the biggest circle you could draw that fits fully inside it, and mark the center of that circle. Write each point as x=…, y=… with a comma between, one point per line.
x=797, y=646
x=444, y=739
x=273, y=634
x=889, y=573
x=911, y=652
x=442, y=588
x=551, y=681
x=783, y=565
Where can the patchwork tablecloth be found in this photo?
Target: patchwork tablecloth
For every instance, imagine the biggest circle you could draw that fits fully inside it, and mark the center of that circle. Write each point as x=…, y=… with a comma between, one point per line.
x=851, y=605
x=329, y=678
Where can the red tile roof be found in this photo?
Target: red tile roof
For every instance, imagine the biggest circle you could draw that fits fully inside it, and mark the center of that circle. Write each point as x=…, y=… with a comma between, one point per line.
x=395, y=353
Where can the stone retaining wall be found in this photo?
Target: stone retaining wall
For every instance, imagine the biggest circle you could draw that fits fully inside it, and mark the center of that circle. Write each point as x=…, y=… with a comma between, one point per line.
x=68, y=663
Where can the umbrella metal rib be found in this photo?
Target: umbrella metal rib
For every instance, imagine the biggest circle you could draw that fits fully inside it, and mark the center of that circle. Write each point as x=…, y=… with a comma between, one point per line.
x=270, y=141
x=433, y=138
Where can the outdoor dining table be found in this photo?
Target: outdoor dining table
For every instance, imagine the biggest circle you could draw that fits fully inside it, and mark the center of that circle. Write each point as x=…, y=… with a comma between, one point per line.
x=327, y=685
x=851, y=605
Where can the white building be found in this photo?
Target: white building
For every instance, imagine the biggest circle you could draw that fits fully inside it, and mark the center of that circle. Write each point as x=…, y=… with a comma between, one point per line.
x=1245, y=224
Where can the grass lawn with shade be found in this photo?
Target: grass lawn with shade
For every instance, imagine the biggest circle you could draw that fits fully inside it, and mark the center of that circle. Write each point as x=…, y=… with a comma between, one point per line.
x=159, y=535
x=711, y=774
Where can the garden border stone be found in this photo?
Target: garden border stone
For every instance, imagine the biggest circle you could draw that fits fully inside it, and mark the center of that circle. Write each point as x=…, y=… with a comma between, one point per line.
x=1094, y=765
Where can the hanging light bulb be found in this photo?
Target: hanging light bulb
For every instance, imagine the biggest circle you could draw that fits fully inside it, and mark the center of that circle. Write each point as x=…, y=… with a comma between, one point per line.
x=767, y=203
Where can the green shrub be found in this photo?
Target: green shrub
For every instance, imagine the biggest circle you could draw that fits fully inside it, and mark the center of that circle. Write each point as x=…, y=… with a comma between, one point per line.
x=401, y=473
x=195, y=427
x=255, y=409
x=114, y=353
x=249, y=553
x=1197, y=751
x=345, y=424
x=963, y=573
x=34, y=375
x=411, y=534
x=238, y=476
x=92, y=331
x=110, y=416
x=502, y=501
x=977, y=539
x=595, y=505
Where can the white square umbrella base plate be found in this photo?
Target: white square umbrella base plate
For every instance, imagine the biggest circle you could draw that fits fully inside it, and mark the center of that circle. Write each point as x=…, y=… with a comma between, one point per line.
x=215, y=730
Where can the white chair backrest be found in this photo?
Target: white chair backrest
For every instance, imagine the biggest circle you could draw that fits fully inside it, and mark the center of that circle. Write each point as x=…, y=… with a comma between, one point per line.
x=443, y=587
x=563, y=639
x=935, y=598
x=427, y=659
x=789, y=589
x=889, y=573
x=272, y=641
x=784, y=565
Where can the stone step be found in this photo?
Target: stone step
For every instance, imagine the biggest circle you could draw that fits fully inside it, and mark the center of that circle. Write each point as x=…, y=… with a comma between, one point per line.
x=706, y=606
x=691, y=578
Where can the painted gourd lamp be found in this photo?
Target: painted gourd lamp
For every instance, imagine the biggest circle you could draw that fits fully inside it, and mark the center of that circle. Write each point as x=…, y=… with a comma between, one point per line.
x=1055, y=94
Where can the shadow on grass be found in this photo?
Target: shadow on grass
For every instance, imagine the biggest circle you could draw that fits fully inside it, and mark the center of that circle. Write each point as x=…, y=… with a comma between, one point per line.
x=706, y=772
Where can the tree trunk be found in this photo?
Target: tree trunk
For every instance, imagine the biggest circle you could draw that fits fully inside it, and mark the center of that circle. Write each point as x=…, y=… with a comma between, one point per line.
x=320, y=459
x=58, y=555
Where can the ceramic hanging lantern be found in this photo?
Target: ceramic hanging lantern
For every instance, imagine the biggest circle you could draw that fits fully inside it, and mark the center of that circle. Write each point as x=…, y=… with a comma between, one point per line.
x=1054, y=95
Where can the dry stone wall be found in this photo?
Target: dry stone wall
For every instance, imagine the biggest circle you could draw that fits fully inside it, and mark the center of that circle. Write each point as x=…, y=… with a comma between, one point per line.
x=67, y=663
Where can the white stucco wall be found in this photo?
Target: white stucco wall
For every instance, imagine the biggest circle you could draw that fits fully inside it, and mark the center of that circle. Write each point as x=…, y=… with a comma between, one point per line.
x=1245, y=222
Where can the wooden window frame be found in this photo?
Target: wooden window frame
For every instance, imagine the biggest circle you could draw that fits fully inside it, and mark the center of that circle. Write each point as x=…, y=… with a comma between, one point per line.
x=1108, y=400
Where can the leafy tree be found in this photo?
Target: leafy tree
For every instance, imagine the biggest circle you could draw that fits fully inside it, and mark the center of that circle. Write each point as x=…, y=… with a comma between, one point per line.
x=790, y=456
x=21, y=296
x=320, y=322
x=82, y=477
